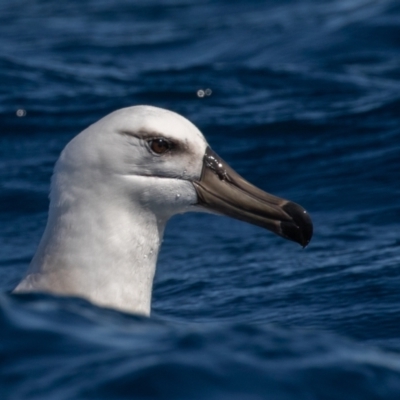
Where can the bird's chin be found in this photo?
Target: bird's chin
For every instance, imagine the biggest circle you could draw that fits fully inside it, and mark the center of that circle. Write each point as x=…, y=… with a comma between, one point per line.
x=222, y=191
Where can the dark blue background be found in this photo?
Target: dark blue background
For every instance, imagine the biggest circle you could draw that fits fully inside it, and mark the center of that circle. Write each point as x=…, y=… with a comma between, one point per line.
x=305, y=104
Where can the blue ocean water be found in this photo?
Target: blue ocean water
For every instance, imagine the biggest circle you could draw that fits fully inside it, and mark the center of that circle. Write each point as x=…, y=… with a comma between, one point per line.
x=305, y=104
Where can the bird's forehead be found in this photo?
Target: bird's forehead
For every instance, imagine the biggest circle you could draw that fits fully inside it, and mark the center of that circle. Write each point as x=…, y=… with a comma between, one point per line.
x=146, y=121
x=170, y=125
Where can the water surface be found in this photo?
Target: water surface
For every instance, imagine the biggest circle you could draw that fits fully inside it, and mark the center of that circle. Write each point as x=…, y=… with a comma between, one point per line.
x=305, y=104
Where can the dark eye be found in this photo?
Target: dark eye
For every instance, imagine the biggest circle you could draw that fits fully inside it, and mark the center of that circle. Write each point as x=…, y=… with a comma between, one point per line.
x=159, y=146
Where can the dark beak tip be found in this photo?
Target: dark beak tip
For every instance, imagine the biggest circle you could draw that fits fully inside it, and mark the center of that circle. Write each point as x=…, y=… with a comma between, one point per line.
x=300, y=229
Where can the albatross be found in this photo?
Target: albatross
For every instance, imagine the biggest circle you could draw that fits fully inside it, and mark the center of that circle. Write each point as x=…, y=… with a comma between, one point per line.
x=115, y=186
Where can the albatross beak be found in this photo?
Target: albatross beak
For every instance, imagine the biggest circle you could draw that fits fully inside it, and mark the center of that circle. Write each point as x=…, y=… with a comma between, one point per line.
x=224, y=191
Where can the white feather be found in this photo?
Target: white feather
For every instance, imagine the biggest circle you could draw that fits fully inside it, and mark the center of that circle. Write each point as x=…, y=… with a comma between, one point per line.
x=109, y=203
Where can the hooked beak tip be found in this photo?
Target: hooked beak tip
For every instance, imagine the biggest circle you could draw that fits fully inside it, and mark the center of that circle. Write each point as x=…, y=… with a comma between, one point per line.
x=300, y=229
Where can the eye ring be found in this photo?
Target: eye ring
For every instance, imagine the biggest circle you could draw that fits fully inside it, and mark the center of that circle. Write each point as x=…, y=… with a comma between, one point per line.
x=159, y=145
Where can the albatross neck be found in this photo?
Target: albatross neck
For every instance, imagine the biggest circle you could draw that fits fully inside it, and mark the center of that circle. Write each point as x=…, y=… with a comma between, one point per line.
x=100, y=248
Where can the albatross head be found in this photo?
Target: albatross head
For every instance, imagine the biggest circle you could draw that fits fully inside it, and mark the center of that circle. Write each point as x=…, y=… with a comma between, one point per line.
x=114, y=187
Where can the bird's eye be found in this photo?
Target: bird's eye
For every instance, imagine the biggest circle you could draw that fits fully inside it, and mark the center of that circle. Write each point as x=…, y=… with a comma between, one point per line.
x=159, y=145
